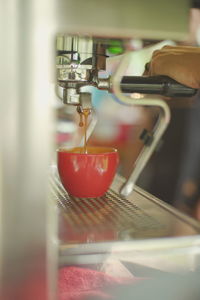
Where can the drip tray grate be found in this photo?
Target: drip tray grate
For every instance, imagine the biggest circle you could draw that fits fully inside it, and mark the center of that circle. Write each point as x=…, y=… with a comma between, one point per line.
x=110, y=213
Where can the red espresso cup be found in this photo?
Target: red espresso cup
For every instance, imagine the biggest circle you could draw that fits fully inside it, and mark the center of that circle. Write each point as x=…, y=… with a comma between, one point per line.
x=87, y=175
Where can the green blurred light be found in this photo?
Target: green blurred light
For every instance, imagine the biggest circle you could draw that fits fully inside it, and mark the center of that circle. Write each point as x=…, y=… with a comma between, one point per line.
x=115, y=47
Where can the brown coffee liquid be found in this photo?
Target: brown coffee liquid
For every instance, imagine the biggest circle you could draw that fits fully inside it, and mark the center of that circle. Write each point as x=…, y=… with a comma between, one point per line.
x=84, y=114
x=90, y=150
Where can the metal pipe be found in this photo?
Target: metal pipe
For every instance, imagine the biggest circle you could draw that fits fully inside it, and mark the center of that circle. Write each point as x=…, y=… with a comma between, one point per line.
x=158, y=130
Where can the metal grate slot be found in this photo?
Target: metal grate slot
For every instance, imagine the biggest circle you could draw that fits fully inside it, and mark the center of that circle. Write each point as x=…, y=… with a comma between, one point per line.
x=110, y=213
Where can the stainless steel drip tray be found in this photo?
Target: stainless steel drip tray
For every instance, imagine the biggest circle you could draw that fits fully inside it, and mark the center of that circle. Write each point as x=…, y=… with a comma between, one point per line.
x=138, y=229
x=114, y=218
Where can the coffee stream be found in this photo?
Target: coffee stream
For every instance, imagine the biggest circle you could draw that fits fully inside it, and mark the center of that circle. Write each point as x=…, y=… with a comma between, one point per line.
x=84, y=114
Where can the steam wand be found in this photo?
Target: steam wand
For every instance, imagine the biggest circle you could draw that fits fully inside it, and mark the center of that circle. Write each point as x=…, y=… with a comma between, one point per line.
x=158, y=130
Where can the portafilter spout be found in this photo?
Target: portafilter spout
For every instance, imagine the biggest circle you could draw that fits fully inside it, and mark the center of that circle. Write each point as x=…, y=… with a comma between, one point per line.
x=78, y=61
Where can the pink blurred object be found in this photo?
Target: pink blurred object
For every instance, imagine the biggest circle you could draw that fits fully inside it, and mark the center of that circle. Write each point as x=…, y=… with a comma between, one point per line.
x=63, y=137
x=125, y=132
x=80, y=283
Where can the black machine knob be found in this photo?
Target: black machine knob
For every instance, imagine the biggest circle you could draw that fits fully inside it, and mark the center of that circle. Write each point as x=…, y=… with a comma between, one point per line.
x=159, y=85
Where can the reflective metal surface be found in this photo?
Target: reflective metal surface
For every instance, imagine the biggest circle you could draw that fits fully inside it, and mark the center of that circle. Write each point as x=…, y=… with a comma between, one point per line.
x=139, y=228
x=136, y=217
x=78, y=61
x=109, y=217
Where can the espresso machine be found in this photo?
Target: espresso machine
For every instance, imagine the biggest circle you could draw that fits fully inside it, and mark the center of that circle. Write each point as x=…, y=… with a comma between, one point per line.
x=109, y=219
x=64, y=43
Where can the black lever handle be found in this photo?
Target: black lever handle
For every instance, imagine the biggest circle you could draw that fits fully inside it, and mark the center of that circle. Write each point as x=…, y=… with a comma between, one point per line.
x=161, y=85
